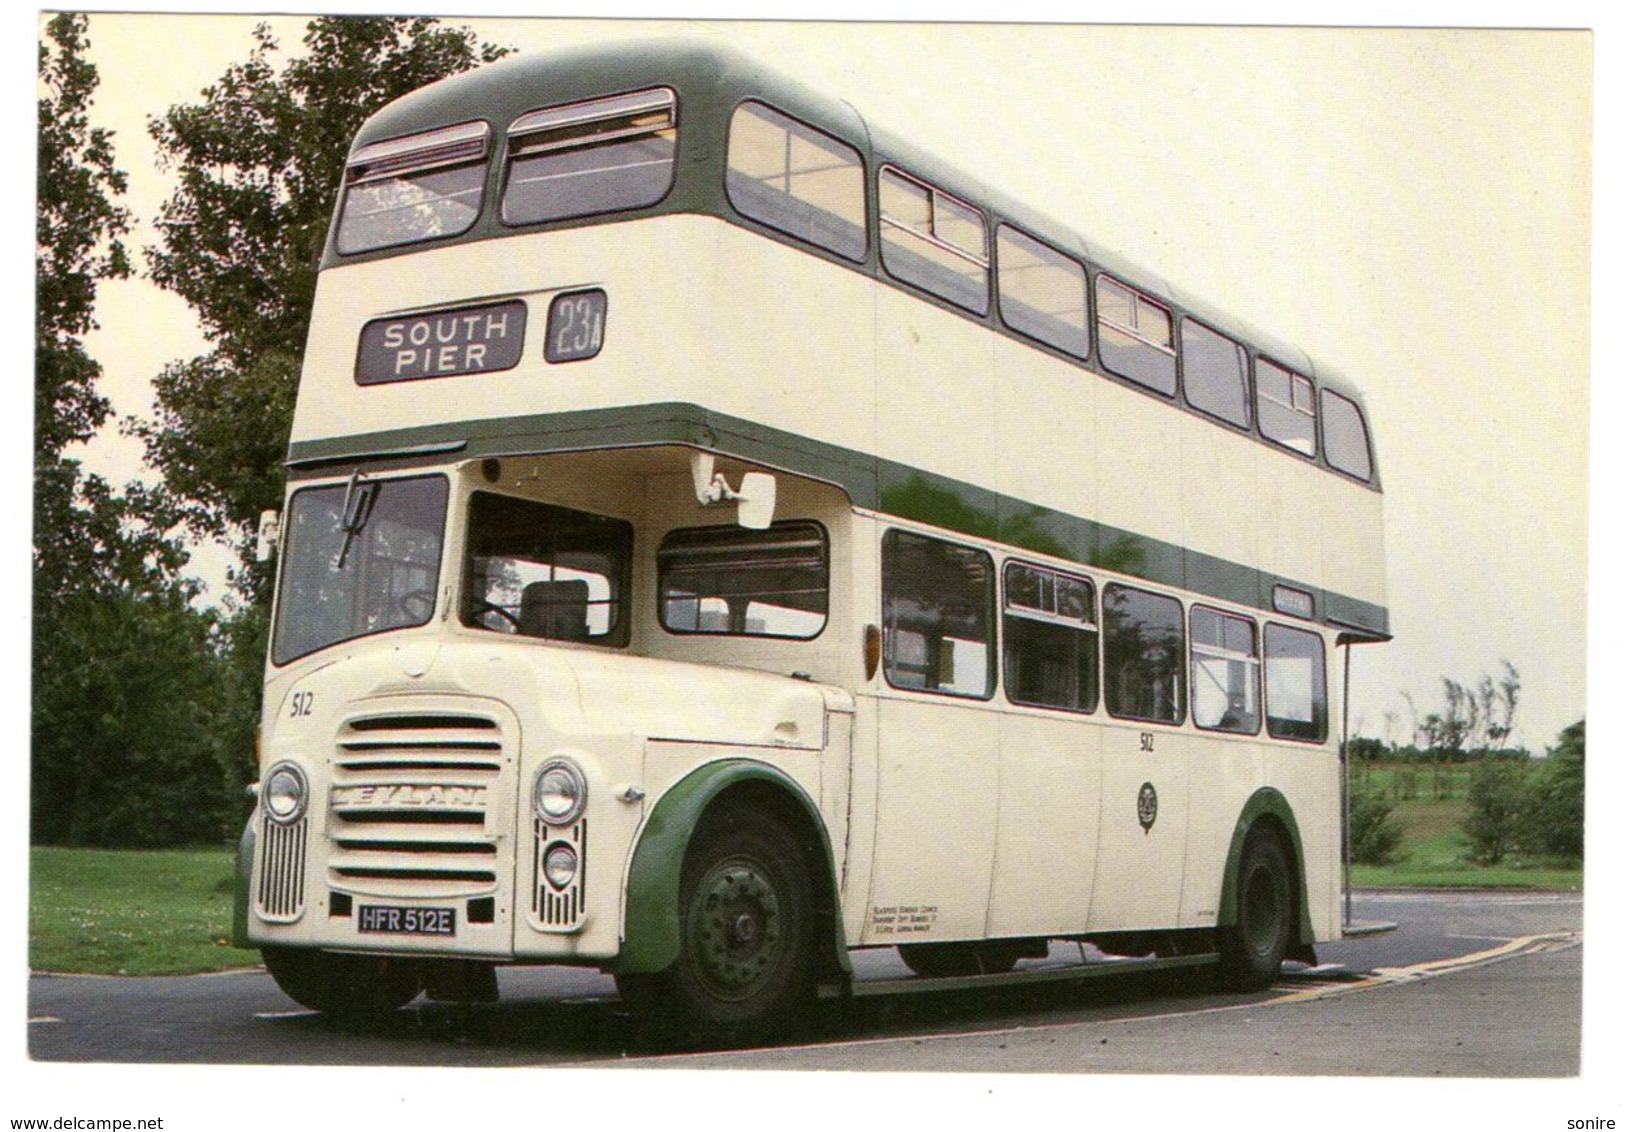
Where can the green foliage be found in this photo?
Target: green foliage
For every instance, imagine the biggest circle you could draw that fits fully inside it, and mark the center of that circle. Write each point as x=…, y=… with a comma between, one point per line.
x=1555, y=821
x=1374, y=834
x=258, y=160
x=1497, y=804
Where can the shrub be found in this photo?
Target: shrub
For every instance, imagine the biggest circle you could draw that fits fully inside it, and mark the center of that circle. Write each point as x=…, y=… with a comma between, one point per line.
x=1374, y=833
x=1497, y=808
x=1555, y=821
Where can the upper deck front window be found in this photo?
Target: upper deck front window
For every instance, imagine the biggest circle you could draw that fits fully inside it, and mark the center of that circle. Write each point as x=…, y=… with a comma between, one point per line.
x=585, y=158
x=413, y=188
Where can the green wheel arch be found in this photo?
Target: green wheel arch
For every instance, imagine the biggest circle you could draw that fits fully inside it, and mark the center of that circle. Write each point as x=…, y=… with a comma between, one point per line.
x=651, y=940
x=1268, y=805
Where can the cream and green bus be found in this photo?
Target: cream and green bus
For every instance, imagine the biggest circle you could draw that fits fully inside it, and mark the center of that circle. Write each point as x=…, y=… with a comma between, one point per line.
x=720, y=538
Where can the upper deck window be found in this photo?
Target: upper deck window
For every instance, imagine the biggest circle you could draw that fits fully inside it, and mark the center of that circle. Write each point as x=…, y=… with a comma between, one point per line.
x=1215, y=373
x=797, y=179
x=413, y=188
x=1348, y=448
x=1286, y=407
x=586, y=158
x=1136, y=336
x=1042, y=293
x=934, y=241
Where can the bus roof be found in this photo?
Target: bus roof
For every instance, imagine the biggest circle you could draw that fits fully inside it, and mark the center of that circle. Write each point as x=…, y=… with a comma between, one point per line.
x=712, y=78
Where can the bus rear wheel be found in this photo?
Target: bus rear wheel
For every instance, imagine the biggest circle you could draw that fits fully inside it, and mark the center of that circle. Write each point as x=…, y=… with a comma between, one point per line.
x=350, y=987
x=1252, y=949
x=745, y=936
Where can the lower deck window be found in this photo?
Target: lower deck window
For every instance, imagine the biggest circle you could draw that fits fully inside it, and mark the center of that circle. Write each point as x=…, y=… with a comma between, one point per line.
x=729, y=580
x=1224, y=672
x=1050, y=640
x=1295, y=683
x=1145, y=655
x=537, y=570
x=937, y=610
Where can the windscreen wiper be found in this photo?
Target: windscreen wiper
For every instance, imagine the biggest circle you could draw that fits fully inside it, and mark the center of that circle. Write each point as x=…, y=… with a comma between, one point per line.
x=359, y=497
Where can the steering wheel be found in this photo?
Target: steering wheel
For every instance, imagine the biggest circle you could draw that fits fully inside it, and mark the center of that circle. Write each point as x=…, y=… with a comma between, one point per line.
x=480, y=608
x=417, y=605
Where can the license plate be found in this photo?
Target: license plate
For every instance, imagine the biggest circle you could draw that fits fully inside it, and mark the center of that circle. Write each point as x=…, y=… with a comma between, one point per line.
x=392, y=919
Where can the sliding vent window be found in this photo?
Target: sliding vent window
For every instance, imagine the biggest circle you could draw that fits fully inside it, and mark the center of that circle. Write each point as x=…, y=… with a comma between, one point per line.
x=1286, y=407
x=589, y=158
x=937, y=610
x=1215, y=373
x=1224, y=672
x=1051, y=645
x=932, y=240
x=1145, y=655
x=1348, y=448
x=415, y=188
x=729, y=580
x=536, y=570
x=1043, y=294
x=1136, y=336
x=798, y=180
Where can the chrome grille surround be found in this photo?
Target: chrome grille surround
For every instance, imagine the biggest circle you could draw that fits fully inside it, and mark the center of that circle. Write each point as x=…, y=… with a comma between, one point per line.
x=279, y=892
x=410, y=800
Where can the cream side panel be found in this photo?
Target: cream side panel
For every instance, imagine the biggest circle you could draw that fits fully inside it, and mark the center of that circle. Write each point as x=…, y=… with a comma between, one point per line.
x=1049, y=823
x=1137, y=462
x=1047, y=431
x=1354, y=552
x=698, y=311
x=1308, y=777
x=1225, y=771
x=1220, y=487
x=1288, y=505
x=935, y=383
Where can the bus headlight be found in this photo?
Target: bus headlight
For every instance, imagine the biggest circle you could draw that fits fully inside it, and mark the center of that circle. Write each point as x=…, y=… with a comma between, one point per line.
x=286, y=793
x=559, y=863
x=560, y=793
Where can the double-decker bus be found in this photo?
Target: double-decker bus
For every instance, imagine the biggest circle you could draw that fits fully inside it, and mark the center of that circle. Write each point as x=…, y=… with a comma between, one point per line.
x=720, y=537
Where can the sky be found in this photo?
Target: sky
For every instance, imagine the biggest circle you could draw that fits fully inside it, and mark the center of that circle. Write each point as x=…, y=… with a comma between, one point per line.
x=1411, y=207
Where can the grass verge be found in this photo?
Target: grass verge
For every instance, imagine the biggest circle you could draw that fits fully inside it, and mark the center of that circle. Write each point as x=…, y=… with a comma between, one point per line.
x=126, y=912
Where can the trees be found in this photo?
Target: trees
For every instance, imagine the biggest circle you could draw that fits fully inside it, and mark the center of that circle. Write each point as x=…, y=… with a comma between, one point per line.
x=124, y=669
x=258, y=161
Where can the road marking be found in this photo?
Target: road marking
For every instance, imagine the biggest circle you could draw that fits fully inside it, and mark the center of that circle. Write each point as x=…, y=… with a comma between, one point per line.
x=1387, y=976
x=43, y=1018
x=274, y=1014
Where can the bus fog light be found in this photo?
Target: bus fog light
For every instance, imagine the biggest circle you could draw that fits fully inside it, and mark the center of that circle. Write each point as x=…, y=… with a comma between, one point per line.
x=560, y=792
x=559, y=864
x=285, y=794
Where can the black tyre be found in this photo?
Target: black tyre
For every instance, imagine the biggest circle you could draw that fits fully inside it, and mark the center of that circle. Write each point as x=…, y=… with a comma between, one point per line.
x=1252, y=949
x=947, y=960
x=746, y=937
x=352, y=987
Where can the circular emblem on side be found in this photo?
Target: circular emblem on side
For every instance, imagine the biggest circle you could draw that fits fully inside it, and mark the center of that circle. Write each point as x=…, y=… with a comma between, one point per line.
x=1147, y=806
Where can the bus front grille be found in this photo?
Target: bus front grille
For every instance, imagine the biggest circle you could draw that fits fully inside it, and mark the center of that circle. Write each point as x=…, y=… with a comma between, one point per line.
x=410, y=803
x=280, y=893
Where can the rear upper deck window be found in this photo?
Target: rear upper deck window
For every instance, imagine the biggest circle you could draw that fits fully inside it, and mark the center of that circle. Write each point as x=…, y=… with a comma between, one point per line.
x=797, y=179
x=1348, y=445
x=413, y=188
x=1136, y=336
x=934, y=241
x=586, y=158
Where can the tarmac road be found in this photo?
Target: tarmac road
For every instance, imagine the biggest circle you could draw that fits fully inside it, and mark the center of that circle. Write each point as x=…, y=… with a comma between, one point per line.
x=1472, y=985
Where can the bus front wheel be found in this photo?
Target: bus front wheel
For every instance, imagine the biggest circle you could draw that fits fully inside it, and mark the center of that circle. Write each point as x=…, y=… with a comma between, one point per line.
x=745, y=924
x=1252, y=949
x=352, y=987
